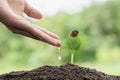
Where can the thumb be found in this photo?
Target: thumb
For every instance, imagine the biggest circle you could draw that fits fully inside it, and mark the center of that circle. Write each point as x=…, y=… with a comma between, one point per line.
x=31, y=11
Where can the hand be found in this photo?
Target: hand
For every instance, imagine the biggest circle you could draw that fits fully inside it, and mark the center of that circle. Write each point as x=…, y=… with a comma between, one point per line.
x=11, y=15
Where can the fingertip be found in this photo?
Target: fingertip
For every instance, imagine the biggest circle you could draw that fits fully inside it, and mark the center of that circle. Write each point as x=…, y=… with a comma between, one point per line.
x=57, y=43
x=38, y=15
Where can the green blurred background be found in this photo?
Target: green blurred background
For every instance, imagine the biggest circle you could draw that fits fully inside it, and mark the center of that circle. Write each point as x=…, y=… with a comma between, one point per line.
x=99, y=26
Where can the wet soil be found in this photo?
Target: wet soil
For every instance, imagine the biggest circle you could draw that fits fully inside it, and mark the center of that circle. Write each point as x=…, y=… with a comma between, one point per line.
x=63, y=72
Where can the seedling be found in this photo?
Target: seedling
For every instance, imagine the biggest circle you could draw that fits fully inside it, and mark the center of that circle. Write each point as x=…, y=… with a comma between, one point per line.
x=73, y=43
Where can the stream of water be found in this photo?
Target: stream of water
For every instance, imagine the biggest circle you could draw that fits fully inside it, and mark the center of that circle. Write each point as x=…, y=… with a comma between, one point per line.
x=59, y=56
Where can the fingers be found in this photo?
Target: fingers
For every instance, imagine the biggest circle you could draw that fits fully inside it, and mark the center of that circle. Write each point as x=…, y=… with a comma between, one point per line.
x=18, y=31
x=46, y=36
x=49, y=37
x=31, y=30
x=47, y=32
x=32, y=12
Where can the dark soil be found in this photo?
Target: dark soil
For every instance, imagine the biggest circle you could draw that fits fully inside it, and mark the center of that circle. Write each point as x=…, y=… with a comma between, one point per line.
x=63, y=72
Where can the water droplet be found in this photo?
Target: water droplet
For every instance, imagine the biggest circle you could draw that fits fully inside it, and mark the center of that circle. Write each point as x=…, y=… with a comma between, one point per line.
x=59, y=57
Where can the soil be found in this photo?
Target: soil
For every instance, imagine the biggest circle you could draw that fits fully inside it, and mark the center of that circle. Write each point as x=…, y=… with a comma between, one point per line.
x=63, y=72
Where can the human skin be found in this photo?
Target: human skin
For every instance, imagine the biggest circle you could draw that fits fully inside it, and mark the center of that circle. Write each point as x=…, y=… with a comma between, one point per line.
x=11, y=15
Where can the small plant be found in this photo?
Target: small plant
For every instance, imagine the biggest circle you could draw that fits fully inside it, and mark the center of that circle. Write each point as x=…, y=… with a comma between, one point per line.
x=73, y=43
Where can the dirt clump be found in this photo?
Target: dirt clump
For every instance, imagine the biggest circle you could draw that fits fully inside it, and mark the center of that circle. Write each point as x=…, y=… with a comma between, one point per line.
x=63, y=72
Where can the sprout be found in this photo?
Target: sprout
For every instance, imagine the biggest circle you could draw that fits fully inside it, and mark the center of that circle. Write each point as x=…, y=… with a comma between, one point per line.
x=73, y=43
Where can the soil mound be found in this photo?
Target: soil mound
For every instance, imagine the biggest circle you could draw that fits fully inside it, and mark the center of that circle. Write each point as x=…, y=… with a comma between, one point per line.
x=63, y=72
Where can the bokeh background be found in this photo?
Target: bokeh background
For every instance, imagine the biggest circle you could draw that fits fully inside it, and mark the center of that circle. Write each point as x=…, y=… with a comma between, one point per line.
x=98, y=22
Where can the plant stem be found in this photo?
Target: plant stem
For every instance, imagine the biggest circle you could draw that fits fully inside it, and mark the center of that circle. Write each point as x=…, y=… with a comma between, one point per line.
x=72, y=57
